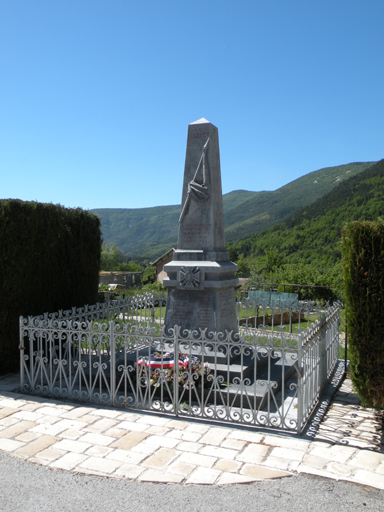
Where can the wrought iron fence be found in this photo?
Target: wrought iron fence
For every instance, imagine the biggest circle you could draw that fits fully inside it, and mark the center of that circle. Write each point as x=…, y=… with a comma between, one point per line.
x=269, y=374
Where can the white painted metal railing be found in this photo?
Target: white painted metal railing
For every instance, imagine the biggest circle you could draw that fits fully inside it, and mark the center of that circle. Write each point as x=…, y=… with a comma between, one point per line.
x=119, y=354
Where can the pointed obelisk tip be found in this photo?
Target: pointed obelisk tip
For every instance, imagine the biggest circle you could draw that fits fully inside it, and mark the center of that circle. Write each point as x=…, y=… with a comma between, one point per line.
x=200, y=121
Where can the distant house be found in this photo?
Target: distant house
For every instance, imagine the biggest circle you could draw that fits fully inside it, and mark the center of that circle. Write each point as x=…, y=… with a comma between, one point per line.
x=120, y=278
x=160, y=262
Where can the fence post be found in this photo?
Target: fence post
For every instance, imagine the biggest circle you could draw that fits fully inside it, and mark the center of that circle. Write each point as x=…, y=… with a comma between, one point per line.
x=324, y=328
x=299, y=383
x=153, y=309
x=346, y=343
x=176, y=369
x=112, y=361
x=21, y=347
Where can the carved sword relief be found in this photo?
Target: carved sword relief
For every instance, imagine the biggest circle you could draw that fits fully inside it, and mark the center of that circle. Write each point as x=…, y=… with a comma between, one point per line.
x=199, y=191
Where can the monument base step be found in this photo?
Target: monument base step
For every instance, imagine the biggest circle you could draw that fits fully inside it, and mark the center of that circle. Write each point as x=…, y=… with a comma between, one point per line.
x=238, y=387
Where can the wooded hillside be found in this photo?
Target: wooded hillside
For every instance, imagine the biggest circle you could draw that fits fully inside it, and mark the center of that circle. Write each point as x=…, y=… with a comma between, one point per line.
x=313, y=234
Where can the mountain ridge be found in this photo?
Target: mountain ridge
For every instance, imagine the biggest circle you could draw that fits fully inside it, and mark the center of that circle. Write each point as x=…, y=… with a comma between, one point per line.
x=149, y=232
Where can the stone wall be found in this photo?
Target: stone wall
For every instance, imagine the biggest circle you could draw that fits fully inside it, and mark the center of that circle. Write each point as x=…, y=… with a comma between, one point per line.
x=126, y=279
x=160, y=272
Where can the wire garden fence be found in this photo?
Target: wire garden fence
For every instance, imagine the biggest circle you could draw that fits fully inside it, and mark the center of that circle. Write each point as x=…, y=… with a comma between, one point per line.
x=269, y=374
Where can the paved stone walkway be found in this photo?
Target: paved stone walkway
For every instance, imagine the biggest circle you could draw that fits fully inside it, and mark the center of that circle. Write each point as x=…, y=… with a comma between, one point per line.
x=132, y=445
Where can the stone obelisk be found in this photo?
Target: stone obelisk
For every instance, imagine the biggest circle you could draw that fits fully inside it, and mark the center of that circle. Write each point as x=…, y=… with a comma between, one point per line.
x=201, y=279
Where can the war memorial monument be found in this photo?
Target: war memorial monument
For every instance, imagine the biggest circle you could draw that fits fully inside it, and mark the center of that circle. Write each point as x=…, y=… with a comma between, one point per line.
x=265, y=375
x=201, y=278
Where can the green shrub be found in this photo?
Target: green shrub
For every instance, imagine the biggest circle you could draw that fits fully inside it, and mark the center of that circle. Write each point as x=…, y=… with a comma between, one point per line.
x=149, y=275
x=363, y=261
x=153, y=287
x=50, y=260
x=326, y=282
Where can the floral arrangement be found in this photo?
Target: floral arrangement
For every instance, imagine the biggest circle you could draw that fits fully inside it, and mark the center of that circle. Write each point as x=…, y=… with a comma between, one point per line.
x=191, y=369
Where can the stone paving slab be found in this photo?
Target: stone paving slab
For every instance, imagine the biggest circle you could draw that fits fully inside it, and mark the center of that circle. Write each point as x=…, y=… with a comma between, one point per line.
x=128, y=445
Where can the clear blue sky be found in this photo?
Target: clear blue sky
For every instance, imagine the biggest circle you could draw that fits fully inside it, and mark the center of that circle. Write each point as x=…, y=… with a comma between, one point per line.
x=96, y=96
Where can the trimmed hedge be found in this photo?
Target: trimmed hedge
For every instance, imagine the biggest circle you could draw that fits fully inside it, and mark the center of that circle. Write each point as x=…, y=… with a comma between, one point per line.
x=363, y=262
x=50, y=260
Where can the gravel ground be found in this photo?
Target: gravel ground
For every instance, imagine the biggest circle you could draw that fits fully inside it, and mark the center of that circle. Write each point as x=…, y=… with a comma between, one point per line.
x=29, y=487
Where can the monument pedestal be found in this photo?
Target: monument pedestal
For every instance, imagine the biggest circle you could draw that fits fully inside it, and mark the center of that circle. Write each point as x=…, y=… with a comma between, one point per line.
x=200, y=292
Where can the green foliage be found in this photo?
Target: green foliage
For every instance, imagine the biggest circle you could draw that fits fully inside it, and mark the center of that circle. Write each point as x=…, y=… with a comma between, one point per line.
x=130, y=267
x=111, y=257
x=156, y=286
x=272, y=260
x=50, y=259
x=310, y=275
x=112, y=260
x=240, y=260
x=363, y=260
x=255, y=280
x=329, y=279
x=242, y=263
x=149, y=275
x=233, y=253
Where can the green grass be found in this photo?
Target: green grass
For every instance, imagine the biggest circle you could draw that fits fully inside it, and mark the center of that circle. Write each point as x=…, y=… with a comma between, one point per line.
x=147, y=313
x=342, y=352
